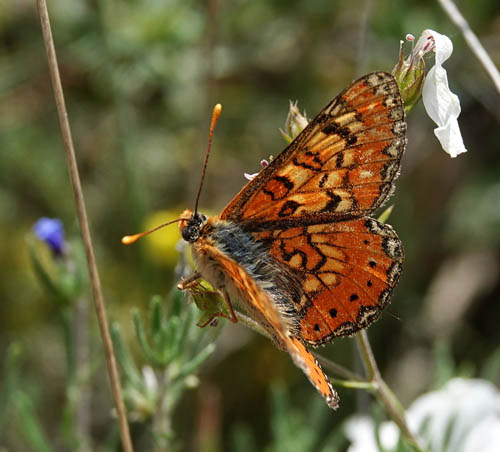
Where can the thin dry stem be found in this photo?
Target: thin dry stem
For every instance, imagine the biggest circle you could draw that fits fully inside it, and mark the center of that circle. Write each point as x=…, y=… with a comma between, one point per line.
x=84, y=226
x=472, y=40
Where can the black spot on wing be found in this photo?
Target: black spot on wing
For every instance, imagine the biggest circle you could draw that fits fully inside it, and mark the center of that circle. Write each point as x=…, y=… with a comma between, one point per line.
x=333, y=203
x=334, y=128
x=288, y=208
x=287, y=183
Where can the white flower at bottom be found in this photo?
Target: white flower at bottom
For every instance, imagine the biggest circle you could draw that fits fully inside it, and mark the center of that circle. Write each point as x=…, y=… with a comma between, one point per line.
x=463, y=416
x=441, y=104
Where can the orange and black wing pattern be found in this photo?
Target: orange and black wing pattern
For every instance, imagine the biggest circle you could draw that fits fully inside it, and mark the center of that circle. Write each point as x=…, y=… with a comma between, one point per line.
x=342, y=165
x=347, y=271
x=256, y=298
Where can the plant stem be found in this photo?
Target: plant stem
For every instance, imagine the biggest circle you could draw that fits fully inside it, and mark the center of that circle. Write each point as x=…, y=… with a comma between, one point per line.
x=81, y=375
x=161, y=420
x=472, y=40
x=84, y=226
x=385, y=396
x=339, y=370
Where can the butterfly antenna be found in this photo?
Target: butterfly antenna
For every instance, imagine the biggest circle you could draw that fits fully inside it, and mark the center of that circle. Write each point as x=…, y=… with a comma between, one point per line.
x=128, y=239
x=215, y=116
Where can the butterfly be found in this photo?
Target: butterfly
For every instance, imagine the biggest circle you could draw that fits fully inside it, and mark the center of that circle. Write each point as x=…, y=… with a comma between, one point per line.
x=296, y=247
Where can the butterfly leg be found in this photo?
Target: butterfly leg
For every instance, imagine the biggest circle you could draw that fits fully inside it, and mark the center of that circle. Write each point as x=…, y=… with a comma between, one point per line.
x=190, y=282
x=229, y=306
x=193, y=282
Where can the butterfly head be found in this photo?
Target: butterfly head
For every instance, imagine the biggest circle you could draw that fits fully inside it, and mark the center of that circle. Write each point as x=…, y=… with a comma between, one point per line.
x=190, y=225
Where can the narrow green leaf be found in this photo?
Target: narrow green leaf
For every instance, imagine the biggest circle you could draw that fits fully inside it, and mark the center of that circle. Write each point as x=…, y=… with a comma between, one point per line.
x=30, y=425
x=167, y=346
x=196, y=362
x=175, y=302
x=45, y=278
x=130, y=370
x=155, y=314
x=149, y=353
x=491, y=369
x=187, y=323
x=10, y=379
x=384, y=216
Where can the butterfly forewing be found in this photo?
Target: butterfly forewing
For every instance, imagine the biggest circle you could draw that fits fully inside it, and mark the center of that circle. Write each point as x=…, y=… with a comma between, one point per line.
x=342, y=165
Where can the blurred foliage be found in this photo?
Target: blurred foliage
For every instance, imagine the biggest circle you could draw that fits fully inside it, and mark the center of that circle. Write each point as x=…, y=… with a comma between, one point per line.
x=287, y=427
x=140, y=80
x=173, y=352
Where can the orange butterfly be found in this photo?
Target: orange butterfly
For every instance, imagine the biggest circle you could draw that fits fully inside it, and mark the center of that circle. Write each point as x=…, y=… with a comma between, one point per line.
x=296, y=246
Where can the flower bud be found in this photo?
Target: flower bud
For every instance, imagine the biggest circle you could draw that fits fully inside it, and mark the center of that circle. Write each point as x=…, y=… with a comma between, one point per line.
x=410, y=75
x=51, y=231
x=295, y=123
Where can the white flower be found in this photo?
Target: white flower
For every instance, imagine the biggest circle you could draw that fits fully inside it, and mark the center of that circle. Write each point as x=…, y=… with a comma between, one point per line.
x=360, y=430
x=441, y=104
x=263, y=163
x=463, y=416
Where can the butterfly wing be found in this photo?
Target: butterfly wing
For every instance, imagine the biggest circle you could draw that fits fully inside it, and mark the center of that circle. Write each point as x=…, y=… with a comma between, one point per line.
x=258, y=300
x=342, y=165
x=347, y=271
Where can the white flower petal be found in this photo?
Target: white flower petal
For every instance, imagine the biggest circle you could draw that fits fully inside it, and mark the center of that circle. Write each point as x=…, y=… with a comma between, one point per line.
x=149, y=378
x=445, y=418
x=250, y=176
x=441, y=104
x=360, y=430
x=450, y=138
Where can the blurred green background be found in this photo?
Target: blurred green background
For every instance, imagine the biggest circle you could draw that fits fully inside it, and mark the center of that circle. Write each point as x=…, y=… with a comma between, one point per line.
x=140, y=80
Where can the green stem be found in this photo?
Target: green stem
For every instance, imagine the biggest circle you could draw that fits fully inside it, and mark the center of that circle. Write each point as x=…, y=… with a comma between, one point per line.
x=81, y=353
x=339, y=370
x=367, y=385
x=384, y=395
x=162, y=425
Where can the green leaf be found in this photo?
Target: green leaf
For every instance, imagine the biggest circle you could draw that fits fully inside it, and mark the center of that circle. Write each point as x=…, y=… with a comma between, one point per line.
x=384, y=216
x=491, y=370
x=150, y=354
x=156, y=314
x=445, y=367
x=30, y=425
x=132, y=375
x=44, y=277
x=196, y=362
x=10, y=379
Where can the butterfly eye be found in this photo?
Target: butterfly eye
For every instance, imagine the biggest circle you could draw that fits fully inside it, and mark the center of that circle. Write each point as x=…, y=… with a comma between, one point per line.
x=191, y=232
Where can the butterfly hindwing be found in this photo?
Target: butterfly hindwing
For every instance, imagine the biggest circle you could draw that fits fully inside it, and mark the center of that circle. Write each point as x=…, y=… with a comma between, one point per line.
x=342, y=165
x=347, y=271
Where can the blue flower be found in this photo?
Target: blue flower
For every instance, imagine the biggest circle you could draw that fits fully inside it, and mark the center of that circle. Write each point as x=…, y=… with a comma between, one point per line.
x=51, y=231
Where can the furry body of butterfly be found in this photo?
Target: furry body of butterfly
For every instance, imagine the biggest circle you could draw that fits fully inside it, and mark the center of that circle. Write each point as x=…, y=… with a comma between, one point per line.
x=278, y=284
